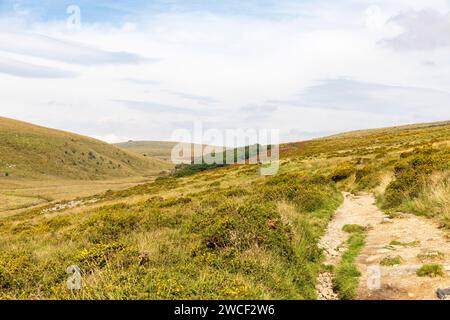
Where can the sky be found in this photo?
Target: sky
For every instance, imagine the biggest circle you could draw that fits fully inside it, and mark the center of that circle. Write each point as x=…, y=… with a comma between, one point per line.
x=140, y=70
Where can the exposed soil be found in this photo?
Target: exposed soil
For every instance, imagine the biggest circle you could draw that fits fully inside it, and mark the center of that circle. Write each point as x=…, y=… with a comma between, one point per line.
x=418, y=241
x=422, y=242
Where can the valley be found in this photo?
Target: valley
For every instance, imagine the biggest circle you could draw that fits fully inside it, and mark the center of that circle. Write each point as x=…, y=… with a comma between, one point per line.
x=20, y=195
x=40, y=166
x=30, y=152
x=229, y=233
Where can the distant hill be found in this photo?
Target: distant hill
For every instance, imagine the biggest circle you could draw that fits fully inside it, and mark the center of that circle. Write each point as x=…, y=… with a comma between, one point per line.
x=157, y=149
x=368, y=141
x=30, y=151
x=421, y=130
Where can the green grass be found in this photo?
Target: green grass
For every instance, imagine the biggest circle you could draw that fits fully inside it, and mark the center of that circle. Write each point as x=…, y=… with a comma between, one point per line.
x=156, y=149
x=32, y=152
x=189, y=170
x=342, y=171
x=234, y=243
x=406, y=167
x=404, y=244
x=431, y=270
x=391, y=261
x=221, y=233
x=346, y=275
x=353, y=228
x=432, y=255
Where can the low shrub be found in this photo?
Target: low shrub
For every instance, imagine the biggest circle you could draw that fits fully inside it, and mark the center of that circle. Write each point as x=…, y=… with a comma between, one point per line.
x=299, y=190
x=215, y=184
x=411, y=174
x=236, y=192
x=98, y=255
x=353, y=228
x=342, y=171
x=174, y=202
x=391, y=261
x=188, y=170
x=17, y=270
x=431, y=270
x=105, y=227
x=367, y=178
x=233, y=225
x=6, y=279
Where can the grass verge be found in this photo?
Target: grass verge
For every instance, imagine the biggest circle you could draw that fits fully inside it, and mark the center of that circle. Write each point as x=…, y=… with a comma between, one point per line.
x=346, y=275
x=431, y=270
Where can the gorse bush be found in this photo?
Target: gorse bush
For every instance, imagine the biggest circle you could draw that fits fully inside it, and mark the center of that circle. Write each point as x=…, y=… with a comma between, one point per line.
x=211, y=232
x=17, y=270
x=174, y=202
x=343, y=171
x=236, y=192
x=6, y=279
x=367, y=178
x=233, y=225
x=233, y=234
x=191, y=169
x=98, y=255
x=235, y=156
x=109, y=226
x=433, y=201
x=411, y=174
x=307, y=195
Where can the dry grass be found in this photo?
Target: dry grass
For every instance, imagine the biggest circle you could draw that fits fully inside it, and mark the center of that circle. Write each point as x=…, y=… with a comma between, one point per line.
x=16, y=196
x=33, y=152
x=434, y=201
x=385, y=179
x=157, y=149
x=237, y=235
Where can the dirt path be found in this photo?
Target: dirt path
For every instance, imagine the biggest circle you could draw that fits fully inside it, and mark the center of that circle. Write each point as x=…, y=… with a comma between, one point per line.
x=418, y=241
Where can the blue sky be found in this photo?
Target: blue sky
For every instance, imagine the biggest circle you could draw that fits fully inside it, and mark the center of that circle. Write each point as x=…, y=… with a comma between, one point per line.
x=142, y=69
x=117, y=12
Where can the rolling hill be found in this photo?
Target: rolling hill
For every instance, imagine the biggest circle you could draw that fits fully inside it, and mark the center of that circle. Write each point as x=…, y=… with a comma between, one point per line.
x=157, y=149
x=33, y=152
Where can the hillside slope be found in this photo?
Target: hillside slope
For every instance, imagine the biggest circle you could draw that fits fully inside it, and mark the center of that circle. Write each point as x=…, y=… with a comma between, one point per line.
x=372, y=141
x=157, y=149
x=33, y=152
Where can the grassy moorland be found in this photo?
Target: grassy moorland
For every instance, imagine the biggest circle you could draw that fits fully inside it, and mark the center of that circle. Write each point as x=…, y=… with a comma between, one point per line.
x=33, y=152
x=40, y=165
x=226, y=232
x=156, y=149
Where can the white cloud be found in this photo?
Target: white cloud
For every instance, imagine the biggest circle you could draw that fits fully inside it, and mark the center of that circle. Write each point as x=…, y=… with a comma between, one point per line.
x=421, y=30
x=223, y=69
x=27, y=70
x=54, y=49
